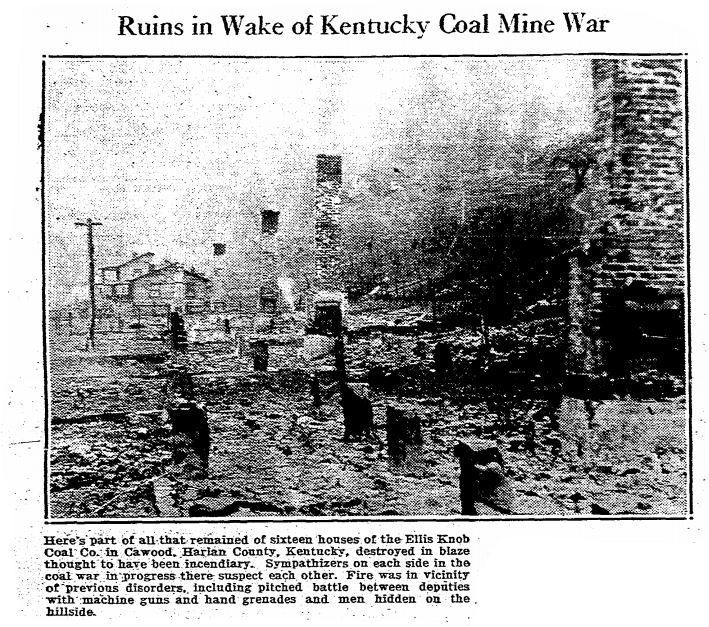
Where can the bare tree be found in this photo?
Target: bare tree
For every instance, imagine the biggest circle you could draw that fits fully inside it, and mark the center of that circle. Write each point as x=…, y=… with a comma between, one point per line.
x=578, y=155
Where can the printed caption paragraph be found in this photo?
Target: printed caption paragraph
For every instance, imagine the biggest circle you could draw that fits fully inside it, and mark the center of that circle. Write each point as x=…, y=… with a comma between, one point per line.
x=84, y=574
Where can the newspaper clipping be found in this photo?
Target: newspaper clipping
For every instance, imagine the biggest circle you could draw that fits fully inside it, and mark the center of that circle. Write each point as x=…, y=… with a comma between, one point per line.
x=356, y=314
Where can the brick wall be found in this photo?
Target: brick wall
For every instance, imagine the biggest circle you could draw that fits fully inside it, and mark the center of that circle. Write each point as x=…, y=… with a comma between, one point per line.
x=630, y=217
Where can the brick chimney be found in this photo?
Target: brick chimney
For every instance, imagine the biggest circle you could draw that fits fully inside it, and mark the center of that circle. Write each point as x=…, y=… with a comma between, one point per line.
x=269, y=261
x=328, y=305
x=627, y=282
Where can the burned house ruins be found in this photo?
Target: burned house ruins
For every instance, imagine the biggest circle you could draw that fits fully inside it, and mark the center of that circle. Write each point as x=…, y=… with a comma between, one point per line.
x=453, y=301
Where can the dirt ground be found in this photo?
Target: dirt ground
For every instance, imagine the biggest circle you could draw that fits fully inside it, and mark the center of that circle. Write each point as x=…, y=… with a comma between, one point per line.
x=273, y=453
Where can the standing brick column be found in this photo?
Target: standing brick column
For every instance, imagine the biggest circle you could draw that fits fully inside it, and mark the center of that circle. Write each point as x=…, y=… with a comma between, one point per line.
x=627, y=282
x=328, y=285
x=269, y=262
x=268, y=291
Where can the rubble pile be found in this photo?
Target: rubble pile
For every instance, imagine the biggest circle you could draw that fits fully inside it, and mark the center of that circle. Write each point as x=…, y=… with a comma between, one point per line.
x=525, y=357
x=100, y=468
x=276, y=441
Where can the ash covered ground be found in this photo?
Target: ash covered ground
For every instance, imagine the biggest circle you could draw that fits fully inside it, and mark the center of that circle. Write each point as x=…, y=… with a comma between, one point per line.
x=272, y=452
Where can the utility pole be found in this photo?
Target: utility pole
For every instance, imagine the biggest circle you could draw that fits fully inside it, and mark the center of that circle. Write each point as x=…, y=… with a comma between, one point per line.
x=90, y=224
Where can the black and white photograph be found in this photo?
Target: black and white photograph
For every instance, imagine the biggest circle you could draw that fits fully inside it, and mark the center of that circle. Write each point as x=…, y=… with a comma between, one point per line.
x=432, y=287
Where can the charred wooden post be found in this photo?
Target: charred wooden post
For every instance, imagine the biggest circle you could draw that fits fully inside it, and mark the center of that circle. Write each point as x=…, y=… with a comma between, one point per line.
x=403, y=429
x=178, y=335
x=443, y=360
x=482, y=479
x=188, y=421
x=190, y=430
x=357, y=412
x=259, y=350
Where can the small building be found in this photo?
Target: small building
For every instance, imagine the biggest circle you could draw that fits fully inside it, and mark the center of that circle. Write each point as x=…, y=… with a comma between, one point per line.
x=113, y=282
x=138, y=282
x=171, y=285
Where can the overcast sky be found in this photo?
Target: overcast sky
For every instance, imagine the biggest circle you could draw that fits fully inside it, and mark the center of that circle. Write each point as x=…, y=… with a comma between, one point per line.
x=172, y=155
